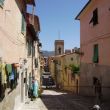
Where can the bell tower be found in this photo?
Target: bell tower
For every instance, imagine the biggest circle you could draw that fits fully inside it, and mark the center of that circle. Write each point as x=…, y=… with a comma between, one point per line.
x=59, y=47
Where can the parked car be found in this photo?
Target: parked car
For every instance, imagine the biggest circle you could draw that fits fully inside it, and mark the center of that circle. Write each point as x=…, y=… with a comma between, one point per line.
x=47, y=80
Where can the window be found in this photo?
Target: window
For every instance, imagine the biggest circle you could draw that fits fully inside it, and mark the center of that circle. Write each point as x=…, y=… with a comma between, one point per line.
x=29, y=48
x=59, y=50
x=36, y=62
x=2, y=2
x=71, y=59
x=94, y=18
x=33, y=50
x=94, y=80
x=96, y=54
x=23, y=25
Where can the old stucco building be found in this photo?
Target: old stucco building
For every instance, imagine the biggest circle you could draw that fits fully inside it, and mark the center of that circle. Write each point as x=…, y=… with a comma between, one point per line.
x=33, y=50
x=67, y=79
x=14, y=51
x=61, y=68
x=95, y=46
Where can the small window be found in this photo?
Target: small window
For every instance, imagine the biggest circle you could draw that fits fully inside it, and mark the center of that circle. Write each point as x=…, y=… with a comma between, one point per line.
x=23, y=25
x=71, y=59
x=59, y=50
x=29, y=48
x=94, y=18
x=36, y=62
x=2, y=2
x=33, y=50
x=96, y=54
x=94, y=80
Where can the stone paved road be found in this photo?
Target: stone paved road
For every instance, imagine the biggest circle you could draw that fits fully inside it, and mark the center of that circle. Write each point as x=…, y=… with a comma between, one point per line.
x=54, y=100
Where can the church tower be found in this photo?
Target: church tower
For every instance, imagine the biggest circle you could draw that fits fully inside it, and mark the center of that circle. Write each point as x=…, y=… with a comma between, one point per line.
x=59, y=47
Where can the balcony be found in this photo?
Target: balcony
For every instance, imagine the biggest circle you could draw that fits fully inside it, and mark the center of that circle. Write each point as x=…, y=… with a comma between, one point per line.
x=33, y=25
x=30, y=2
x=34, y=20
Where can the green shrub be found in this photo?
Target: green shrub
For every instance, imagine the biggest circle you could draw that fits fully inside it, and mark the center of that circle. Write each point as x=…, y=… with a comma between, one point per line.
x=74, y=68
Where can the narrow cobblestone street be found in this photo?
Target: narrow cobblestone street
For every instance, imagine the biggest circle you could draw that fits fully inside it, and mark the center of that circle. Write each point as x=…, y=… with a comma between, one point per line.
x=56, y=100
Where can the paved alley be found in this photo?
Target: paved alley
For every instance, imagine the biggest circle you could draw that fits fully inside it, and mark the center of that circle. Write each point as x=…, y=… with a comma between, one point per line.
x=54, y=100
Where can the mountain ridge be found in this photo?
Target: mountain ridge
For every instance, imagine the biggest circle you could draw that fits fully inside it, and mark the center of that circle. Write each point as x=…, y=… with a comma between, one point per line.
x=47, y=53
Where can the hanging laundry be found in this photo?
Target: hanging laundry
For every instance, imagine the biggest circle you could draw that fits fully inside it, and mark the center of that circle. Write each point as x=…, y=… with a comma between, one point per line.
x=14, y=69
x=11, y=79
x=35, y=88
x=9, y=68
x=2, y=82
x=3, y=74
x=8, y=71
x=0, y=74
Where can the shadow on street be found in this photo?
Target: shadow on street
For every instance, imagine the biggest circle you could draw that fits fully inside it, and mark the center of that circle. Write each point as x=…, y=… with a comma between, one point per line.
x=58, y=100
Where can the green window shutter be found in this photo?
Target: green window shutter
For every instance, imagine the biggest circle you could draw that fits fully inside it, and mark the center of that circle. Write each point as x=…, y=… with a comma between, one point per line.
x=96, y=54
x=29, y=48
x=23, y=26
x=95, y=16
x=33, y=50
x=2, y=2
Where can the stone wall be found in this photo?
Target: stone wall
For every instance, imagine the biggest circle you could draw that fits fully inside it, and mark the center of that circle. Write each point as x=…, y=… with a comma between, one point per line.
x=88, y=71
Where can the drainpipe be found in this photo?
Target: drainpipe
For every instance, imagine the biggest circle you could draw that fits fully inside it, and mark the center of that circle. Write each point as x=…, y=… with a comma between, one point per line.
x=32, y=60
x=32, y=41
x=33, y=15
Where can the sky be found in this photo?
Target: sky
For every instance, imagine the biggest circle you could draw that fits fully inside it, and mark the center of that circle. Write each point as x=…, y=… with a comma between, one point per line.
x=57, y=21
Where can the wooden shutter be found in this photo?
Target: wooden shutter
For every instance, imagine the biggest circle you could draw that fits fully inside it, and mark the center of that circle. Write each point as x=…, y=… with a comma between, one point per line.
x=33, y=50
x=36, y=62
x=95, y=16
x=23, y=26
x=2, y=2
x=96, y=54
x=29, y=48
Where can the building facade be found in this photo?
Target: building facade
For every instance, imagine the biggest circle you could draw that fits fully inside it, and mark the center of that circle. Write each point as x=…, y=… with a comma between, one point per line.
x=95, y=38
x=14, y=60
x=52, y=66
x=62, y=68
x=33, y=50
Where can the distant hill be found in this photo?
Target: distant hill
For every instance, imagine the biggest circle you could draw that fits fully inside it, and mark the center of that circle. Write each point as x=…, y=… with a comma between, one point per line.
x=48, y=53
